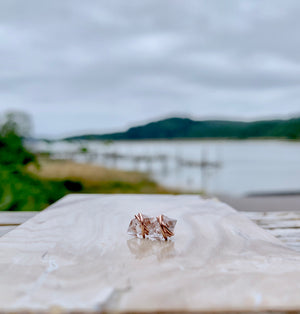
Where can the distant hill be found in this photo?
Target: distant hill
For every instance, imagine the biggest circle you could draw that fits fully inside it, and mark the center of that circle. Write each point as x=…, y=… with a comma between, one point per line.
x=183, y=128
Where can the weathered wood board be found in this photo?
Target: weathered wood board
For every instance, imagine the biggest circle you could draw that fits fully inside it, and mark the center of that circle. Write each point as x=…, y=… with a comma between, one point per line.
x=10, y=220
x=15, y=218
x=285, y=226
x=6, y=229
x=76, y=255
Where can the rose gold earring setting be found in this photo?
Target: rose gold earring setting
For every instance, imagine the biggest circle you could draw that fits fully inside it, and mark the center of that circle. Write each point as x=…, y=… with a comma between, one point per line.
x=166, y=232
x=141, y=220
x=161, y=227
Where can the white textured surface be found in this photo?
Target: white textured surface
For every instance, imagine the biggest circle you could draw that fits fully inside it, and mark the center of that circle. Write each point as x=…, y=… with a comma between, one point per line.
x=77, y=255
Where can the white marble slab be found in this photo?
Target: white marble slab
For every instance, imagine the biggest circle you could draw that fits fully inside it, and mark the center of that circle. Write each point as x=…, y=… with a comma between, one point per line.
x=76, y=255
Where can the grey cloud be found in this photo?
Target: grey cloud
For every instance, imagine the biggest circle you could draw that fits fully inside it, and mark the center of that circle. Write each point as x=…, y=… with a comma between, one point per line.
x=118, y=62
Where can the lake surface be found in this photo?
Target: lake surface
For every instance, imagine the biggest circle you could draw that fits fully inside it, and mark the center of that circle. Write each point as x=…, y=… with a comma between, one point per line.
x=244, y=166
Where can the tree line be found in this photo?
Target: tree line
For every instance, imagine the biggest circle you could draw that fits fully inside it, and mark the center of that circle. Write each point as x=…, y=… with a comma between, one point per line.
x=184, y=128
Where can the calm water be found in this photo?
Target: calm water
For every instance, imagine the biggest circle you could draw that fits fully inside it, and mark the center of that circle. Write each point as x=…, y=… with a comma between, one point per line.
x=246, y=166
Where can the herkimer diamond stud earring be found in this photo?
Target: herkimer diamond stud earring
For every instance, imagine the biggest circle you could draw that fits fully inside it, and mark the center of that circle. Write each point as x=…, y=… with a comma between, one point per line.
x=167, y=226
x=161, y=227
x=139, y=226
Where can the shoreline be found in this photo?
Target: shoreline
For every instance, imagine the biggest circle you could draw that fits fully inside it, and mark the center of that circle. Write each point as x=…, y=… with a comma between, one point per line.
x=198, y=139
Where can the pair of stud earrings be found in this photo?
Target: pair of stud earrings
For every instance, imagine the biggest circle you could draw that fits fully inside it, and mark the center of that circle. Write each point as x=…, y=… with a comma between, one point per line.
x=158, y=227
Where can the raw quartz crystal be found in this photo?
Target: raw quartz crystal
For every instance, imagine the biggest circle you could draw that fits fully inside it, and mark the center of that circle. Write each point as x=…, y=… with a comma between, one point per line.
x=153, y=229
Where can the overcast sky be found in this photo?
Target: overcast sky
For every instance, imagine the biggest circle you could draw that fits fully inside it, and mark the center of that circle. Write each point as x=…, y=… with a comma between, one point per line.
x=105, y=65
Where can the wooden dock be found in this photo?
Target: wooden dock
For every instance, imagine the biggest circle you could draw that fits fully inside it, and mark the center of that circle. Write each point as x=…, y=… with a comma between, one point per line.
x=76, y=257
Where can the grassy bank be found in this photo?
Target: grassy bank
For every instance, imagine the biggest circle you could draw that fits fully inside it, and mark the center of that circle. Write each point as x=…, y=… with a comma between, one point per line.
x=88, y=178
x=34, y=188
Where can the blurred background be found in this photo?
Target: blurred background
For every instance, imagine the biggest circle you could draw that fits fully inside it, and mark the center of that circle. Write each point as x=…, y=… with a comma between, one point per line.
x=152, y=96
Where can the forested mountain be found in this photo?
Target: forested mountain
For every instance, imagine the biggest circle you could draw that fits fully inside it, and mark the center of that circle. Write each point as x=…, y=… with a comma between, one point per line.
x=180, y=128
